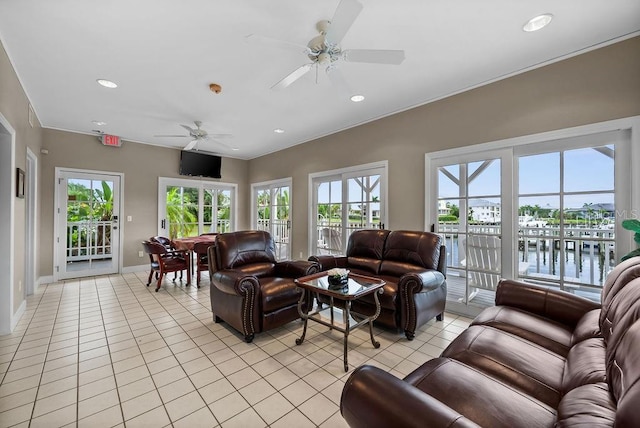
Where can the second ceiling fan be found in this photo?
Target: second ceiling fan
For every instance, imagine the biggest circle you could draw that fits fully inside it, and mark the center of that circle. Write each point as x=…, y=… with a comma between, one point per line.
x=324, y=50
x=199, y=134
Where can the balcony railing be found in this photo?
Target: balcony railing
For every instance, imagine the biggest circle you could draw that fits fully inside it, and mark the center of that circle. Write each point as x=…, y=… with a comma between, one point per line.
x=88, y=240
x=589, y=252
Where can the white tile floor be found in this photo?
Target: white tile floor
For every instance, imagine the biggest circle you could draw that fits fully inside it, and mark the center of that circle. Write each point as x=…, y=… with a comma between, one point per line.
x=108, y=351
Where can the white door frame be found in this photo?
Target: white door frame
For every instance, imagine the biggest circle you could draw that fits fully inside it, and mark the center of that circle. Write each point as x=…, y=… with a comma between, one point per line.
x=343, y=174
x=271, y=184
x=164, y=182
x=31, y=208
x=7, y=226
x=57, y=211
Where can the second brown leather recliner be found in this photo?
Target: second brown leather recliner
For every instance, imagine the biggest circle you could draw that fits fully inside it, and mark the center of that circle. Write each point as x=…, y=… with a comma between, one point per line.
x=250, y=290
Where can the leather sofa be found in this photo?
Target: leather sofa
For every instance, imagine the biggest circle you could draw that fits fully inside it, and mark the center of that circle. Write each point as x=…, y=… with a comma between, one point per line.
x=250, y=290
x=539, y=358
x=413, y=266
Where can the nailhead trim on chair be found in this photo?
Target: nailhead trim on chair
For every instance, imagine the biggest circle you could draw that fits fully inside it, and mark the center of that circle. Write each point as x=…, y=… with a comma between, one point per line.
x=247, y=305
x=411, y=320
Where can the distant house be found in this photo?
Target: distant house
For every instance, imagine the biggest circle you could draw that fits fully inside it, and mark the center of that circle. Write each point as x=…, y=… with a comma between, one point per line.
x=444, y=208
x=484, y=211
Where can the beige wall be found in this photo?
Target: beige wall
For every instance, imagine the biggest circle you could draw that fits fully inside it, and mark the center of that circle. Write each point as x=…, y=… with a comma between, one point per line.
x=14, y=106
x=597, y=86
x=141, y=165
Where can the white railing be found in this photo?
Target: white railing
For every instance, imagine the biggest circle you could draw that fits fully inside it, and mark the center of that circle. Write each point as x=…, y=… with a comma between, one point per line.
x=88, y=240
x=589, y=253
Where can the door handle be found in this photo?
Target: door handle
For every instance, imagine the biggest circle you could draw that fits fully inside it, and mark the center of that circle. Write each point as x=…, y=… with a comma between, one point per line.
x=163, y=224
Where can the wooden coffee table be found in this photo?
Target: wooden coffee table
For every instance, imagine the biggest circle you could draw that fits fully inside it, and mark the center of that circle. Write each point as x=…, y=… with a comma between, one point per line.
x=357, y=286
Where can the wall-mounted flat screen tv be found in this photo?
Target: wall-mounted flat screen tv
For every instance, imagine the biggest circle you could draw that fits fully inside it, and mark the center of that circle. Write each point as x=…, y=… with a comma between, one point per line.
x=200, y=164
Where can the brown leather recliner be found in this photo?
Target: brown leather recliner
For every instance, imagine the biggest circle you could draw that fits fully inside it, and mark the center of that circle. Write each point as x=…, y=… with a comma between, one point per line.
x=413, y=265
x=250, y=290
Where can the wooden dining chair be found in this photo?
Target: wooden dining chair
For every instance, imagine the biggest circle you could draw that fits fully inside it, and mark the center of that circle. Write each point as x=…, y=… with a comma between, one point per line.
x=163, y=261
x=202, y=260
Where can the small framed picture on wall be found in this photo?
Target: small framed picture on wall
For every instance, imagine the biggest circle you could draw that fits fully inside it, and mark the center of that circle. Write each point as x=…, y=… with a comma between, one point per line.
x=20, y=183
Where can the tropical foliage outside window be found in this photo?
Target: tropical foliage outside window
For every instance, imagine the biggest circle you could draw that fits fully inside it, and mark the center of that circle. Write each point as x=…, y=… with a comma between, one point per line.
x=88, y=204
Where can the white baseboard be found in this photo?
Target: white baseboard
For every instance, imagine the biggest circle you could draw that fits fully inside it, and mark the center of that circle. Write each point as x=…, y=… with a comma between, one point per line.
x=133, y=269
x=43, y=280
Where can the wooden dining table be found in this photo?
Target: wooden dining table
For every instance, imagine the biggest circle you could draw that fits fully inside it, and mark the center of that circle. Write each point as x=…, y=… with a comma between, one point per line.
x=188, y=242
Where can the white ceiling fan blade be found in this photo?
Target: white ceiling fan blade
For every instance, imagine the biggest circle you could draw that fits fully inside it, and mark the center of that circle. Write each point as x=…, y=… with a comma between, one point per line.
x=191, y=145
x=292, y=77
x=176, y=136
x=220, y=143
x=188, y=128
x=268, y=41
x=376, y=56
x=346, y=13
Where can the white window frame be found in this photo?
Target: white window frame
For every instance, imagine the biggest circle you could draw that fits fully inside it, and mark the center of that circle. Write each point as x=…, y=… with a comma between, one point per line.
x=270, y=185
x=381, y=167
x=163, y=182
x=627, y=195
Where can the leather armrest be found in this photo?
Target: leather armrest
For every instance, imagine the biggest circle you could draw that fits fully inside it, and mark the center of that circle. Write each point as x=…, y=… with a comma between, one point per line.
x=233, y=282
x=374, y=398
x=421, y=281
x=296, y=268
x=557, y=305
x=329, y=262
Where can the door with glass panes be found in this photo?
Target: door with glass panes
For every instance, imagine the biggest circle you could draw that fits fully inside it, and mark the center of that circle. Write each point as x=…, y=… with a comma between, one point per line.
x=272, y=213
x=470, y=218
x=346, y=202
x=191, y=208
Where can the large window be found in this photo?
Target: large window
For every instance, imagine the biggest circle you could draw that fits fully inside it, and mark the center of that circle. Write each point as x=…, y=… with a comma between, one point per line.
x=344, y=201
x=272, y=213
x=192, y=207
x=545, y=212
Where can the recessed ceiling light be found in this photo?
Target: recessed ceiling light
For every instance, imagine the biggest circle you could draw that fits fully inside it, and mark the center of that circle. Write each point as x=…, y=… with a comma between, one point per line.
x=107, y=83
x=98, y=122
x=537, y=23
x=357, y=98
x=279, y=131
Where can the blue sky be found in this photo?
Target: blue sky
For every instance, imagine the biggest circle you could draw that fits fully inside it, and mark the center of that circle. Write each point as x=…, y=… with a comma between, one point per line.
x=584, y=170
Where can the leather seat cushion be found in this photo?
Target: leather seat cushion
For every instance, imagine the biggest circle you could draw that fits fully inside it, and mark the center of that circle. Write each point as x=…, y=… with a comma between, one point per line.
x=277, y=293
x=478, y=396
x=587, y=406
x=511, y=359
x=585, y=364
x=544, y=332
x=588, y=327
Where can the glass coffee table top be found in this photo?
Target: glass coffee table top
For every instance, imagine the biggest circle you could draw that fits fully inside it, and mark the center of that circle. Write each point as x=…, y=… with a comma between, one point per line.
x=357, y=285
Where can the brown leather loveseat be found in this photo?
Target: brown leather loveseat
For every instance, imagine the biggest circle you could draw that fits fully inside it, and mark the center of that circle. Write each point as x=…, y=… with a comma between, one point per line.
x=413, y=266
x=250, y=290
x=539, y=358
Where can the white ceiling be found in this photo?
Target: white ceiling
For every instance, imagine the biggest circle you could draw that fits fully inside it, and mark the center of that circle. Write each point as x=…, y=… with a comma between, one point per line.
x=164, y=54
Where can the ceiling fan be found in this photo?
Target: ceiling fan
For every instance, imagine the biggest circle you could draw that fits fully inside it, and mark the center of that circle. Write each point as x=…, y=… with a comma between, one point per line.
x=324, y=50
x=198, y=134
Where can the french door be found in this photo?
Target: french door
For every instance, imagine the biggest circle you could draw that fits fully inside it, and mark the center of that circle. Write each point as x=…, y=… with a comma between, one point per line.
x=470, y=218
x=87, y=236
x=194, y=207
x=544, y=212
x=272, y=213
x=345, y=201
